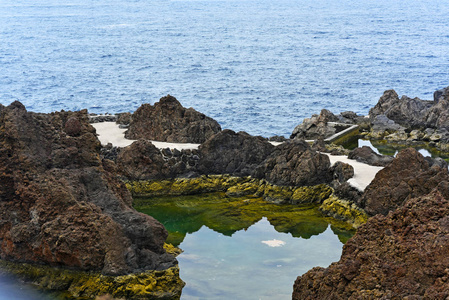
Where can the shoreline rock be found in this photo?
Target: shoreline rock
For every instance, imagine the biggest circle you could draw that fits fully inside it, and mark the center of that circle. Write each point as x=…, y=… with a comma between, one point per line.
x=63, y=206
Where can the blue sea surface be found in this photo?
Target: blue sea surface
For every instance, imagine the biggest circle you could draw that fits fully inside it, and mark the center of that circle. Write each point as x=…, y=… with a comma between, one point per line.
x=260, y=66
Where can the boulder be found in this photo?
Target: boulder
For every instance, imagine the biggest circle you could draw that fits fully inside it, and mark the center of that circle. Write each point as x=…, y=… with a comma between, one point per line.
x=316, y=126
x=366, y=155
x=399, y=256
x=233, y=153
x=168, y=121
x=61, y=205
x=294, y=163
x=409, y=175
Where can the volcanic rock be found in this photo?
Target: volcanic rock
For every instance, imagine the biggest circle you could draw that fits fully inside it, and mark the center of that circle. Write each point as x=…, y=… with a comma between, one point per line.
x=414, y=113
x=294, y=163
x=233, y=153
x=366, y=155
x=143, y=161
x=316, y=126
x=61, y=205
x=399, y=256
x=168, y=121
x=409, y=175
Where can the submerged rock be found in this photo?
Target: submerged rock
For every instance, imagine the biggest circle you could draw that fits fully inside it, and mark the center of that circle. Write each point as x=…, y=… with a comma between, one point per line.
x=168, y=121
x=61, y=205
x=398, y=256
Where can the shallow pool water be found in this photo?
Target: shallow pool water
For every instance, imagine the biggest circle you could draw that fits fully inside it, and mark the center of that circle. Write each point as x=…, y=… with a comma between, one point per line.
x=245, y=248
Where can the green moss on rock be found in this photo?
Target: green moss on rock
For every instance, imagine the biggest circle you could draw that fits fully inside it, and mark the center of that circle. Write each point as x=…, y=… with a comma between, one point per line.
x=344, y=210
x=70, y=284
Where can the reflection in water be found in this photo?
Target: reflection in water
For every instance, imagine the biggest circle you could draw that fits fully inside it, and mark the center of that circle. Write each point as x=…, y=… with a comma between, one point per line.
x=12, y=289
x=187, y=214
x=245, y=248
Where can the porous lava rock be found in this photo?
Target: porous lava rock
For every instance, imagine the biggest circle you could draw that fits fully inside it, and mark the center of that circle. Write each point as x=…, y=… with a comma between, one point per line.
x=168, y=121
x=61, y=205
x=143, y=161
x=367, y=155
x=414, y=113
x=294, y=163
x=409, y=175
x=234, y=153
x=316, y=126
x=399, y=256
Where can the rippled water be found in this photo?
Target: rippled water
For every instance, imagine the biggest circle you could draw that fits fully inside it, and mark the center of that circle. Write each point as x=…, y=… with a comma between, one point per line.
x=254, y=65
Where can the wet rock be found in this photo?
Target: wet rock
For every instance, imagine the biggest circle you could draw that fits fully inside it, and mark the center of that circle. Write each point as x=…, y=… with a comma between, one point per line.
x=294, y=163
x=366, y=155
x=62, y=205
x=409, y=175
x=399, y=256
x=229, y=152
x=168, y=121
x=315, y=127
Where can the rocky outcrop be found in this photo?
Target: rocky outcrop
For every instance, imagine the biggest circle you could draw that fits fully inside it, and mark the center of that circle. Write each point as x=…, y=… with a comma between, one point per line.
x=143, y=161
x=315, y=127
x=294, y=163
x=399, y=256
x=366, y=155
x=414, y=113
x=168, y=121
x=61, y=205
x=409, y=175
x=233, y=153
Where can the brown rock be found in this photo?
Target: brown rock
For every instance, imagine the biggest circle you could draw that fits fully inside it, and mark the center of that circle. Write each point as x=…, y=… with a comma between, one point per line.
x=229, y=152
x=409, y=175
x=168, y=121
x=61, y=205
x=399, y=256
x=316, y=126
x=294, y=163
x=366, y=155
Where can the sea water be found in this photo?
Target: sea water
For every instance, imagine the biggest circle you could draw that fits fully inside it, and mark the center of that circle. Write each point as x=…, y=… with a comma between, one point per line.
x=260, y=66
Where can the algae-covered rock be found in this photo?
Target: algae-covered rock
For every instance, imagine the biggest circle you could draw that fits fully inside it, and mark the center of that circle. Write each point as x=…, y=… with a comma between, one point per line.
x=73, y=284
x=344, y=210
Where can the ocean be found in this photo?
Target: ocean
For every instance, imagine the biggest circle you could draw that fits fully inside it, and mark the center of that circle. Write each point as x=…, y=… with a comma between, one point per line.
x=259, y=66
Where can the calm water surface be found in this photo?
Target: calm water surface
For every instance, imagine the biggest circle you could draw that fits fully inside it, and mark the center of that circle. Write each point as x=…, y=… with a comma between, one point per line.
x=240, y=248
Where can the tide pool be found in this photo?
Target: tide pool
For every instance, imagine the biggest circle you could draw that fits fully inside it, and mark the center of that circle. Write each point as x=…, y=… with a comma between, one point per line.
x=245, y=248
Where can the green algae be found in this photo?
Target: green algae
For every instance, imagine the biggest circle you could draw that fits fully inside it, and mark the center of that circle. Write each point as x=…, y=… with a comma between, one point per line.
x=227, y=215
x=71, y=284
x=344, y=210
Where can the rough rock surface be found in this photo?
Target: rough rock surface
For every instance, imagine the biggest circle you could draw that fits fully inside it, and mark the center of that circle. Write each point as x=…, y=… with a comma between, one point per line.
x=403, y=254
x=143, y=161
x=294, y=163
x=414, y=113
x=366, y=155
x=316, y=126
x=61, y=205
x=232, y=153
x=409, y=175
x=168, y=121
